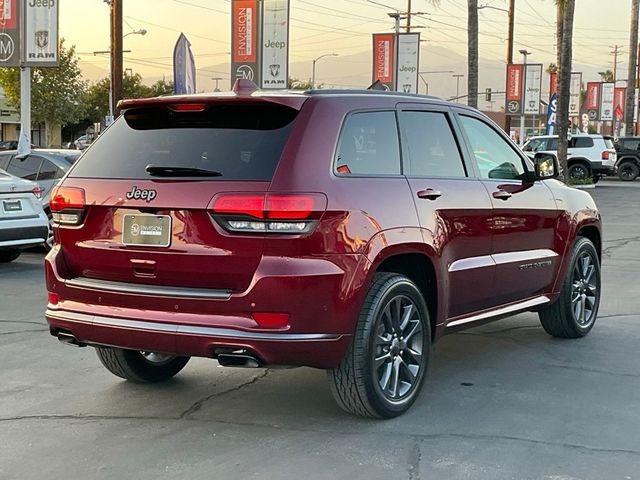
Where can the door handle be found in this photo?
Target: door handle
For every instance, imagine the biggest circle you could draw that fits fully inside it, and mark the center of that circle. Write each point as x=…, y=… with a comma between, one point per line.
x=502, y=195
x=429, y=194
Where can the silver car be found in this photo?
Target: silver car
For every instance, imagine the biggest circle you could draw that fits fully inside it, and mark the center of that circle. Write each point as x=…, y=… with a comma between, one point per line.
x=43, y=165
x=23, y=222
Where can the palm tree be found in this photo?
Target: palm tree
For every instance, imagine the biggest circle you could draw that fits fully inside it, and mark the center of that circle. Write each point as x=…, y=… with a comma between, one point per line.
x=633, y=60
x=565, y=11
x=607, y=76
x=472, y=48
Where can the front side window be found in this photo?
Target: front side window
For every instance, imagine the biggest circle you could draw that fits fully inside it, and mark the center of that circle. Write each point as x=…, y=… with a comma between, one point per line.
x=431, y=148
x=494, y=156
x=369, y=145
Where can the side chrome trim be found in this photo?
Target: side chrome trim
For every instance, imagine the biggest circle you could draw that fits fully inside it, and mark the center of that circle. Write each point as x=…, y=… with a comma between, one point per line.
x=509, y=309
x=500, y=259
x=140, y=289
x=213, y=332
x=523, y=256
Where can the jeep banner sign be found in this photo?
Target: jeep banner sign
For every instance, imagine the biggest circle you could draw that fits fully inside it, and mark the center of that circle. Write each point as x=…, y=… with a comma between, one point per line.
x=532, y=89
x=9, y=33
x=40, y=40
x=244, y=41
x=513, y=96
x=275, y=44
x=606, y=102
x=408, y=61
x=592, y=102
x=384, y=59
x=574, y=94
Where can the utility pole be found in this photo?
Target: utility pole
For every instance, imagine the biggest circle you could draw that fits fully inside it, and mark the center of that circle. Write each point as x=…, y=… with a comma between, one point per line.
x=408, y=16
x=525, y=54
x=633, y=63
x=615, y=62
x=116, y=52
x=512, y=12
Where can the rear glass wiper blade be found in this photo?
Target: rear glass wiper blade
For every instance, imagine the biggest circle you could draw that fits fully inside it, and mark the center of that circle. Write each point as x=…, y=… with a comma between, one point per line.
x=169, y=171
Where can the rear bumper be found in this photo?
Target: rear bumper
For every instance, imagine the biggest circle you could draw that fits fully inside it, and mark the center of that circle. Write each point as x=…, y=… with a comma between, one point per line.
x=23, y=233
x=322, y=314
x=601, y=168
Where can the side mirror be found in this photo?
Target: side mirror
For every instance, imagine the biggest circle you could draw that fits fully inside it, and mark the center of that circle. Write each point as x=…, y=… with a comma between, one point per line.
x=546, y=165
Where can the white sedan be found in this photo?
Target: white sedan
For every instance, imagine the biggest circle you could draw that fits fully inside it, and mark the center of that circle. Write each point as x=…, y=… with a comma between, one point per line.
x=23, y=223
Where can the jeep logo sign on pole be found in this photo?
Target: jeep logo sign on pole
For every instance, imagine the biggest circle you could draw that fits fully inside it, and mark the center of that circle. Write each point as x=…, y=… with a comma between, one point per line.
x=408, y=61
x=40, y=39
x=9, y=33
x=244, y=41
x=275, y=44
x=532, y=88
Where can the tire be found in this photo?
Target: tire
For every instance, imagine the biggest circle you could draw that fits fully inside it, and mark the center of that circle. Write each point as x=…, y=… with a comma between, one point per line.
x=628, y=171
x=579, y=171
x=574, y=313
x=7, y=256
x=394, y=313
x=143, y=367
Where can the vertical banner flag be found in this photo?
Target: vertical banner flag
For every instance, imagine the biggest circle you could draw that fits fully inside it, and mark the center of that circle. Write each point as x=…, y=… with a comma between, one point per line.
x=619, y=98
x=40, y=35
x=592, y=103
x=384, y=59
x=275, y=44
x=244, y=41
x=10, y=44
x=408, y=61
x=513, y=97
x=574, y=94
x=635, y=105
x=184, y=67
x=606, y=103
x=553, y=103
x=532, y=89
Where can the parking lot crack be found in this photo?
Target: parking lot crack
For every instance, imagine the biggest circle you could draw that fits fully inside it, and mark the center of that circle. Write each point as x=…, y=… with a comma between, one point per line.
x=198, y=405
x=619, y=243
x=23, y=331
x=415, y=455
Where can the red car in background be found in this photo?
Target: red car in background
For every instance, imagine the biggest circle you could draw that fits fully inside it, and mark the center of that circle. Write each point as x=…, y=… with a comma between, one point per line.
x=342, y=230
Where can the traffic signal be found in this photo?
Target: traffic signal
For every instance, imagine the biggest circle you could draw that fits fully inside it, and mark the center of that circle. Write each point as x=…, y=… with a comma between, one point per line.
x=487, y=94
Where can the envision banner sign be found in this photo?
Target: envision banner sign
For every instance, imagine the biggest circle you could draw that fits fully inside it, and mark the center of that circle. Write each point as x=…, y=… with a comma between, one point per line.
x=513, y=97
x=244, y=41
x=384, y=53
x=10, y=33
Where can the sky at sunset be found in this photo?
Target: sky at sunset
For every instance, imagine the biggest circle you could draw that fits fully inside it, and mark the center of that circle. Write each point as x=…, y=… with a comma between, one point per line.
x=338, y=26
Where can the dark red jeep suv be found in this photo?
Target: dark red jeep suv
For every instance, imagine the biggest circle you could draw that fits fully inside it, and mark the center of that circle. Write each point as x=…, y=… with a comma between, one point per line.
x=342, y=230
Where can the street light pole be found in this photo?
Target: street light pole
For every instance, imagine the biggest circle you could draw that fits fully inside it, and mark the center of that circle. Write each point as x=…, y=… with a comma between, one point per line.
x=458, y=77
x=525, y=54
x=426, y=84
x=313, y=70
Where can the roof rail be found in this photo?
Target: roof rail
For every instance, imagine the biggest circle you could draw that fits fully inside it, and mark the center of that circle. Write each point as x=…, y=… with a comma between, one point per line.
x=328, y=91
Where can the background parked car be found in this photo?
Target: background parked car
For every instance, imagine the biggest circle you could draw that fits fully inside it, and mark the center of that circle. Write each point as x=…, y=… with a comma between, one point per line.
x=82, y=142
x=44, y=166
x=12, y=145
x=23, y=222
x=628, y=164
x=588, y=155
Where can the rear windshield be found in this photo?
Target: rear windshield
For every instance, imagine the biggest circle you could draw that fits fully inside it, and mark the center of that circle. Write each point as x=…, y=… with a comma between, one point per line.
x=608, y=141
x=240, y=142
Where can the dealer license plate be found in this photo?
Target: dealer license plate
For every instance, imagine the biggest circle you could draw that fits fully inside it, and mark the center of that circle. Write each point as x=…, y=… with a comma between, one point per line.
x=146, y=230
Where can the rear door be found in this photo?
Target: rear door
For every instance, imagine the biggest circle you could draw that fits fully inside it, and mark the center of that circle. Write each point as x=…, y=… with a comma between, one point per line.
x=158, y=228
x=453, y=207
x=525, y=214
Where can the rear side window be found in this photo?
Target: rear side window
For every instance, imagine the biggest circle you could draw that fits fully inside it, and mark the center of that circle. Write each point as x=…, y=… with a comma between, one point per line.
x=239, y=141
x=608, y=141
x=369, y=145
x=431, y=148
x=581, y=142
x=49, y=171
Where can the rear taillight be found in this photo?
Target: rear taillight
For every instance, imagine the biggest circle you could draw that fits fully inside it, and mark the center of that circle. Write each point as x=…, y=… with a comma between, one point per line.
x=269, y=213
x=605, y=155
x=67, y=205
x=37, y=192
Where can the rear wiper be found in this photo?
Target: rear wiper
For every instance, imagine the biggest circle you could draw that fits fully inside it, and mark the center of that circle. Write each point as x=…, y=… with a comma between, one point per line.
x=162, y=171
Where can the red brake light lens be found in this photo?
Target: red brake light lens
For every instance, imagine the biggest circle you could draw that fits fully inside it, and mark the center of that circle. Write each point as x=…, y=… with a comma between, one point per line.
x=67, y=197
x=37, y=192
x=605, y=155
x=252, y=205
x=188, y=107
x=288, y=206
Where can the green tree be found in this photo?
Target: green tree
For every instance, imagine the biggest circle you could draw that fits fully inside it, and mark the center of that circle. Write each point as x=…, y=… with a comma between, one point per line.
x=162, y=87
x=607, y=76
x=296, y=84
x=56, y=92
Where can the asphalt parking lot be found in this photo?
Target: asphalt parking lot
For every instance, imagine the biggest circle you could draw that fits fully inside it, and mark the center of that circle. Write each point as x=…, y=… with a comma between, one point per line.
x=502, y=401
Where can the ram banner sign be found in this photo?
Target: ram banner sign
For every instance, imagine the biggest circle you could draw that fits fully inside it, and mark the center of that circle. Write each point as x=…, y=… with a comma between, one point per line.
x=574, y=94
x=532, y=89
x=384, y=53
x=606, y=102
x=275, y=44
x=244, y=41
x=10, y=44
x=40, y=36
x=408, y=61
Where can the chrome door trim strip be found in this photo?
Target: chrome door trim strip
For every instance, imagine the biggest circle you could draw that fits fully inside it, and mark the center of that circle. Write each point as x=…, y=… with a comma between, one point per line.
x=213, y=332
x=500, y=259
x=141, y=289
x=507, y=310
